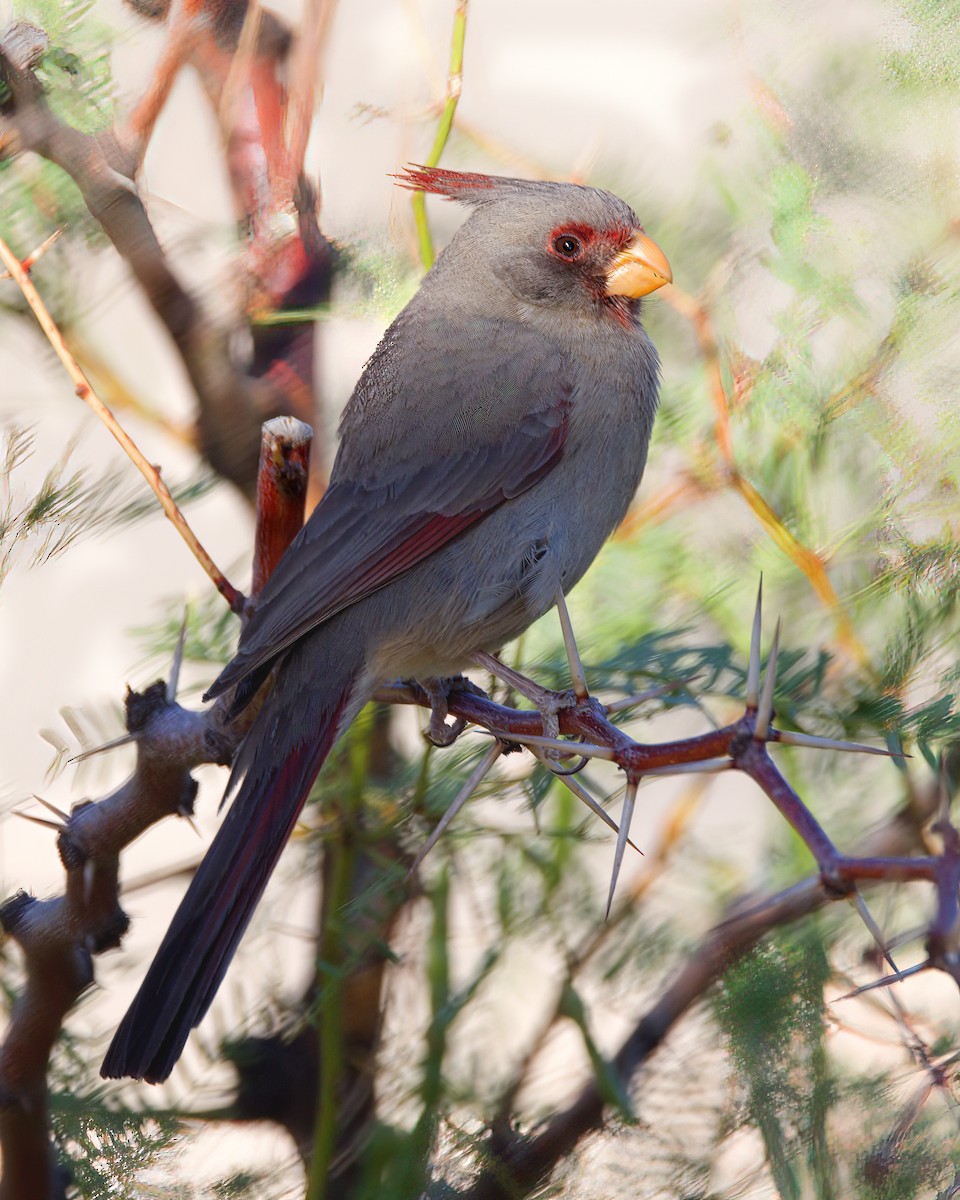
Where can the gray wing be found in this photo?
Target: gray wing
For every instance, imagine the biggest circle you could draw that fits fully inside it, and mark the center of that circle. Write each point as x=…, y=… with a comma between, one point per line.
x=441, y=430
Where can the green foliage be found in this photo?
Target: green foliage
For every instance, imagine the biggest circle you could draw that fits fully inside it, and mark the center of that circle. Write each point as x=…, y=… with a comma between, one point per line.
x=770, y=1009
x=38, y=523
x=37, y=197
x=75, y=66
x=105, y=1146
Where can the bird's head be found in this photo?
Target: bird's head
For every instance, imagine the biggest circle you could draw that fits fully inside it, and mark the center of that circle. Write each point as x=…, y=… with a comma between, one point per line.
x=549, y=246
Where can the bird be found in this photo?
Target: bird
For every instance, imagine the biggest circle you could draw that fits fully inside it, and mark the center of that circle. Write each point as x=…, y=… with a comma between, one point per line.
x=494, y=441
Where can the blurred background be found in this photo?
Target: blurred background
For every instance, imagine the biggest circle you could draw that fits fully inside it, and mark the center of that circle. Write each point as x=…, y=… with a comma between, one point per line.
x=798, y=163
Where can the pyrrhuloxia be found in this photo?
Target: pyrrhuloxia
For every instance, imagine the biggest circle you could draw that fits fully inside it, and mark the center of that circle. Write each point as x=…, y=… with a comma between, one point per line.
x=493, y=443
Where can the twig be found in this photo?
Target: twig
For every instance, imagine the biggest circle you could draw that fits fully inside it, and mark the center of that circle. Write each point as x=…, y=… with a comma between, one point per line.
x=148, y=470
x=454, y=88
x=181, y=30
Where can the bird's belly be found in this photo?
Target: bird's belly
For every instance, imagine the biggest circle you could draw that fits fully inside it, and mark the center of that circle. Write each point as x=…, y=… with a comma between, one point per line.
x=488, y=586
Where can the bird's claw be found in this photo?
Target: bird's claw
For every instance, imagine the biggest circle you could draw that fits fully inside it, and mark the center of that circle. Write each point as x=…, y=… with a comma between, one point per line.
x=438, y=733
x=549, y=704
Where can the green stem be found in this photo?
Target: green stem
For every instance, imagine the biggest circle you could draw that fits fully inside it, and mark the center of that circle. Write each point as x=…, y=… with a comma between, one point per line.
x=330, y=1016
x=342, y=848
x=454, y=87
x=431, y=1087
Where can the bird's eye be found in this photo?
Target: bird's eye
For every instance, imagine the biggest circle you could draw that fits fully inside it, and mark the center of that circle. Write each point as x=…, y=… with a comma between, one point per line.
x=567, y=246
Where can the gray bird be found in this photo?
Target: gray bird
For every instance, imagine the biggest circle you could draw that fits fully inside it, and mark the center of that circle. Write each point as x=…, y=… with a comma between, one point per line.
x=493, y=443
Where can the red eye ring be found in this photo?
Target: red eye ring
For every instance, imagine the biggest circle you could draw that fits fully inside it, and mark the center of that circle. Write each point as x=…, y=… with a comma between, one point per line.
x=567, y=246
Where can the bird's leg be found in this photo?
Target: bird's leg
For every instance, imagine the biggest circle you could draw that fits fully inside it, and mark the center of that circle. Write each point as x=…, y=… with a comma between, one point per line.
x=438, y=732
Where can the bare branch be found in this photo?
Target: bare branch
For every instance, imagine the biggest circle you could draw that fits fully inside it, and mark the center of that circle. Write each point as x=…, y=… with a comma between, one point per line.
x=148, y=470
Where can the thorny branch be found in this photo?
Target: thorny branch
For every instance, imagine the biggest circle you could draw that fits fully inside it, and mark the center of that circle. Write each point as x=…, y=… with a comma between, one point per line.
x=288, y=263
x=89, y=396
x=171, y=740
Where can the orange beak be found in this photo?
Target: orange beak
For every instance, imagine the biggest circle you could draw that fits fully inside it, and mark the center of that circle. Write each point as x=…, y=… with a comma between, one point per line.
x=640, y=268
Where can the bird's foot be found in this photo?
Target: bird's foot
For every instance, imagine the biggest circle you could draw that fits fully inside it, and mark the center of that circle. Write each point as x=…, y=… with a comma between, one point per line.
x=439, y=732
x=549, y=704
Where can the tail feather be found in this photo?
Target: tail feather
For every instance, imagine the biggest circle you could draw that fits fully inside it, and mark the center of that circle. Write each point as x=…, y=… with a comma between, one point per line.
x=216, y=910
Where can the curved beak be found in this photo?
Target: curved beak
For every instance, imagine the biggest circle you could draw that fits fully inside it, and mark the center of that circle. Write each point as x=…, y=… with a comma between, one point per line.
x=640, y=268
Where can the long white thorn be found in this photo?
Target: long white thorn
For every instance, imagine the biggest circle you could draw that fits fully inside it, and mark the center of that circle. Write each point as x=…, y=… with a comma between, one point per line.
x=887, y=980
x=577, y=673
x=57, y=825
x=765, y=707
x=173, y=681
x=33, y=258
x=753, y=670
x=706, y=766
x=623, y=836
x=571, y=749
x=526, y=687
x=57, y=812
x=594, y=805
x=866, y=916
x=792, y=738
x=476, y=775
x=124, y=740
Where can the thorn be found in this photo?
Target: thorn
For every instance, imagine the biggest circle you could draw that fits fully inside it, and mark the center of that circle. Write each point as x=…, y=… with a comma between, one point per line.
x=623, y=836
x=582, y=794
x=526, y=687
x=31, y=260
x=825, y=743
x=577, y=674
x=481, y=769
x=174, y=681
x=662, y=689
x=765, y=707
x=57, y=825
x=753, y=670
x=705, y=766
x=125, y=740
x=867, y=917
x=57, y=812
x=570, y=749
x=887, y=980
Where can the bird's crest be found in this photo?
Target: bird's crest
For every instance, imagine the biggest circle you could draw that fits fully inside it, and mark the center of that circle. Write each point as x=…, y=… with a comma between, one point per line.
x=466, y=187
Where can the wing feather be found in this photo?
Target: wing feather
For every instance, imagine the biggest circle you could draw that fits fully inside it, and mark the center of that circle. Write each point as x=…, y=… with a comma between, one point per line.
x=502, y=425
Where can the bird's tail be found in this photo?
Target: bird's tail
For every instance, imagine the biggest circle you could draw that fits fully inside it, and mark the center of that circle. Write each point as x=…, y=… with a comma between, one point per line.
x=280, y=758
